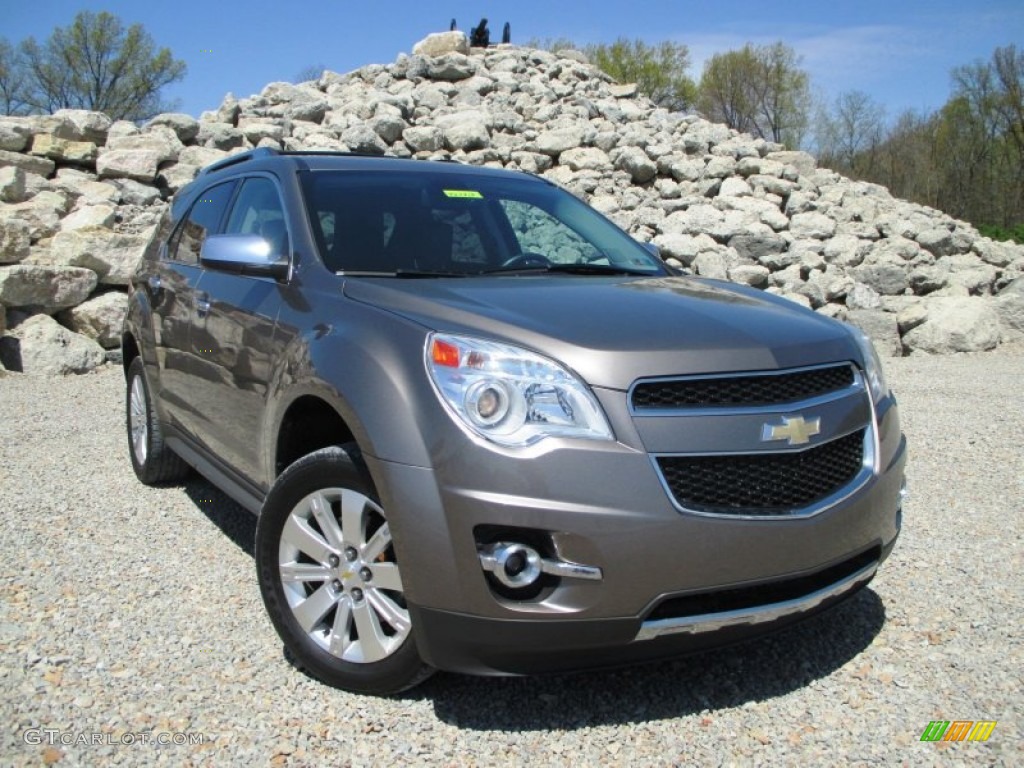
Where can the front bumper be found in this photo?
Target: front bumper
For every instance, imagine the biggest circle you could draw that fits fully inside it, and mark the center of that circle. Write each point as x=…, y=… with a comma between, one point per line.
x=603, y=505
x=486, y=646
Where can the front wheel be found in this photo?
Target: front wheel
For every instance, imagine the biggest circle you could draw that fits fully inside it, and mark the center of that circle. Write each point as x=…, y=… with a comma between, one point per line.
x=152, y=460
x=329, y=578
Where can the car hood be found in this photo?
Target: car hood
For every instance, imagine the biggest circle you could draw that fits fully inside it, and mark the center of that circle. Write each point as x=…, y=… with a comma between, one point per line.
x=614, y=330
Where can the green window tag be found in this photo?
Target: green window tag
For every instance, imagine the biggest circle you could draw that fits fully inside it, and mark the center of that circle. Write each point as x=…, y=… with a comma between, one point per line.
x=464, y=193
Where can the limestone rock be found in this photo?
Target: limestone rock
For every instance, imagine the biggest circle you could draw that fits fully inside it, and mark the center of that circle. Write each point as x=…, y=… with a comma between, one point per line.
x=64, y=150
x=881, y=327
x=15, y=240
x=40, y=345
x=465, y=130
x=185, y=127
x=425, y=138
x=441, y=43
x=138, y=164
x=956, y=324
x=12, y=184
x=15, y=134
x=88, y=216
x=99, y=318
x=46, y=288
x=110, y=255
x=88, y=126
x=27, y=163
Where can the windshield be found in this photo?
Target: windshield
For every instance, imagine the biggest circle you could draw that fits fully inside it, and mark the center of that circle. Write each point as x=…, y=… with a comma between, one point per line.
x=398, y=223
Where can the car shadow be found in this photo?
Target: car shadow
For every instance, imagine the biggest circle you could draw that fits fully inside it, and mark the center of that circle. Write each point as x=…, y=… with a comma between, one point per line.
x=234, y=520
x=753, y=671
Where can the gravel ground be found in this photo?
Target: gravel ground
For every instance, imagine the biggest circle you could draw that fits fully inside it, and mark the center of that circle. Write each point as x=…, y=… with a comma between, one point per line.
x=130, y=613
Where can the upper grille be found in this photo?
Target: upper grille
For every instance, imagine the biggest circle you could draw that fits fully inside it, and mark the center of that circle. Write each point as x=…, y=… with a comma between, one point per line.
x=748, y=390
x=763, y=484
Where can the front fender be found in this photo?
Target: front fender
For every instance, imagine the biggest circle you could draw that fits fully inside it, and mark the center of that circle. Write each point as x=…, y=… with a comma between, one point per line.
x=370, y=370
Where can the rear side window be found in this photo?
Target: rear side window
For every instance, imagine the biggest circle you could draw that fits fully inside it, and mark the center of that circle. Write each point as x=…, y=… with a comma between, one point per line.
x=203, y=219
x=258, y=211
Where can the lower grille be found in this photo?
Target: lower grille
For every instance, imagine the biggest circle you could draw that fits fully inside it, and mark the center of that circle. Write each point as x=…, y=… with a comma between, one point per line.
x=741, y=598
x=763, y=484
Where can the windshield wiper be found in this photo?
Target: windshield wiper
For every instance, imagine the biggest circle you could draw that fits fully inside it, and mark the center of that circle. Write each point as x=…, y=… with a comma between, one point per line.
x=596, y=269
x=414, y=273
x=571, y=269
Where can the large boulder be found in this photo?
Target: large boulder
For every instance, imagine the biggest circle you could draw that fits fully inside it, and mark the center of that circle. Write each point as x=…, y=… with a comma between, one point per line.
x=881, y=327
x=47, y=288
x=15, y=133
x=40, y=345
x=86, y=125
x=64, y=150
x=28, y=163
x=138, y=164
x=441, y=43
x=955, y=324
x=99, y=318
x=465, y=130
x=1009, y=305
x=185, y=127
x=113, y=256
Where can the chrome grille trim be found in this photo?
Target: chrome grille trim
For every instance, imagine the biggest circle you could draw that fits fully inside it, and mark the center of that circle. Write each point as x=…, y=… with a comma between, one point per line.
x=711, y=622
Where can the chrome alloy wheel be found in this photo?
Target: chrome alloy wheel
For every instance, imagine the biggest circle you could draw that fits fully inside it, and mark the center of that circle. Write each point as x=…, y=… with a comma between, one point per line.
x=338, y=572
x=138, y=420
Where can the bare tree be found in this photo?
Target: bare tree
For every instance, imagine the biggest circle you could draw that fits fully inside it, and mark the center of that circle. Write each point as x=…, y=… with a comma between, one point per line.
x=312, y=72
x=12, y=84
x=850, y=134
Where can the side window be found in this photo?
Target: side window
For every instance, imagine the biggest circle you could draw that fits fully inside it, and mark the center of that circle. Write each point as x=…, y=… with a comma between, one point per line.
x=258, y=211
x=202, y=220
x=539, y=232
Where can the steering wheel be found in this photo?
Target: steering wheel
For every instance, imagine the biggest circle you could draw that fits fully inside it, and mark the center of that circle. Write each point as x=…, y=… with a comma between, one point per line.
x=527, y=260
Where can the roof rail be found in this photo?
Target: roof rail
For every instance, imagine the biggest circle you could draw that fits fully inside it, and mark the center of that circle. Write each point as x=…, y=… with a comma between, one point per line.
x=241, y=157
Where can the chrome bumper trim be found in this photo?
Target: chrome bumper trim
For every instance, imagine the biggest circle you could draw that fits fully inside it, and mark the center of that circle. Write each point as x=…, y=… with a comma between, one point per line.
x=710, y=622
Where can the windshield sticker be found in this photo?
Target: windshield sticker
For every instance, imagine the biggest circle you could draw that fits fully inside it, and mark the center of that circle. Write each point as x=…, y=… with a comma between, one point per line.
x=470, y=194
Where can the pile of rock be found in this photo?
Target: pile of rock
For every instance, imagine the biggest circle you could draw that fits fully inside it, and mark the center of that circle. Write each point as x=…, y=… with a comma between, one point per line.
x=81, y=196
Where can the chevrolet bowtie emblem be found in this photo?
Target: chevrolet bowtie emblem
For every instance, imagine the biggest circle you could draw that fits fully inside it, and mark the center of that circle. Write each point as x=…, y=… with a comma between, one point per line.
x=796, y=430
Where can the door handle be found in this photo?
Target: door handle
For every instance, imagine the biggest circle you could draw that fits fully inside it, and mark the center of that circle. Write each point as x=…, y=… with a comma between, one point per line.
x=202, y=304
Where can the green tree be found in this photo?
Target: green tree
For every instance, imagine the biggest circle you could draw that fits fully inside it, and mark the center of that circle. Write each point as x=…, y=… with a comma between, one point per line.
x=759, y=90
x=660, y=71
x=95, y=63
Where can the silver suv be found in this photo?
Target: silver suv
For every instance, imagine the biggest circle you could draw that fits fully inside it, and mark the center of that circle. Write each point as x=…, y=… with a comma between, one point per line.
x=486, y=431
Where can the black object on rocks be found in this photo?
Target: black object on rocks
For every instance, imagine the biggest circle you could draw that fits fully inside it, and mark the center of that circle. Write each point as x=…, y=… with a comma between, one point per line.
x=481, y=35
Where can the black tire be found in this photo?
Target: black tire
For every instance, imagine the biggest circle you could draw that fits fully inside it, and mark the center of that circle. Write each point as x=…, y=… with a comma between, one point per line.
x=152, y=460
x=340, y=591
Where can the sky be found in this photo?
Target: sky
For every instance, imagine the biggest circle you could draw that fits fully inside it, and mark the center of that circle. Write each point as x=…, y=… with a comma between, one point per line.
x=900, y=52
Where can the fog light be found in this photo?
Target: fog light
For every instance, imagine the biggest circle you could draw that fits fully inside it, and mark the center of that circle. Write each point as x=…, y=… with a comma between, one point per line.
x=519, y=565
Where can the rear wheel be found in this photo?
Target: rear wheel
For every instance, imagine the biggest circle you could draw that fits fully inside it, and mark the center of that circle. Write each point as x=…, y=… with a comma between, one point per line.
x=329, y=578
x=152, y=460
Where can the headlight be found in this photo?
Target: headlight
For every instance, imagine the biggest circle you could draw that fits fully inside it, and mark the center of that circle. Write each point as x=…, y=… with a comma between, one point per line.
x=509, y=395
x=872, y=365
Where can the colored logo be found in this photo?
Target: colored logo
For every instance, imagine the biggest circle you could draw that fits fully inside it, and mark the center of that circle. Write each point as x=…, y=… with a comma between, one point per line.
x=958, y=730
x=795, y=430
